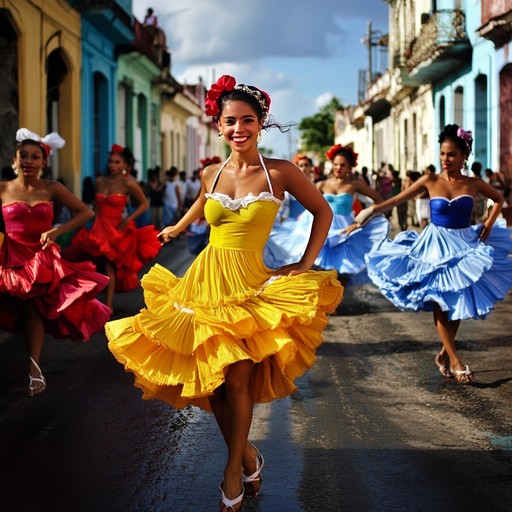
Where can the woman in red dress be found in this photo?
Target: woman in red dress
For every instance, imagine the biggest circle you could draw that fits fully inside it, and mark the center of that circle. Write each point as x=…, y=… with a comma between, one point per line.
x=41, y=292
x=114, y=241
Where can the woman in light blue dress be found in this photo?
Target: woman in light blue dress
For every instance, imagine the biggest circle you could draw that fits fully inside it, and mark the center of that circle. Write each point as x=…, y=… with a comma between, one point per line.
x=453, y=268
x=341, y=252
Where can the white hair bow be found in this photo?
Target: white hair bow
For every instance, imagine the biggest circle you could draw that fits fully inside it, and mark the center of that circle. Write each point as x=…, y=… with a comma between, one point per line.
x=51, y=141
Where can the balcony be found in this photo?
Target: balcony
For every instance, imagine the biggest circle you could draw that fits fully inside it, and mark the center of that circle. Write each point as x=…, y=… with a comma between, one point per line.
x=496, y=21
x=108, y=17
x=441, y=47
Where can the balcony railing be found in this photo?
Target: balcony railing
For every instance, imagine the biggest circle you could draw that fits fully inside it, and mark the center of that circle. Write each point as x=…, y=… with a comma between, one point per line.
x=441, y=38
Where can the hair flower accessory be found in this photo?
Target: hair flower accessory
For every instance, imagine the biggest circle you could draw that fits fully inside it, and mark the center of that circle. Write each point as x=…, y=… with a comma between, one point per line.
x=227, y=83
x=49, y=142
x=466, y=136
x=338, y=148
x=116, y=148
x=224, y=83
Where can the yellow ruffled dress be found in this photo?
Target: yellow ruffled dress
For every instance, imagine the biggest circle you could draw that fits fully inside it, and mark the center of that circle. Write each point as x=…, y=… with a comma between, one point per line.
x=227, y=307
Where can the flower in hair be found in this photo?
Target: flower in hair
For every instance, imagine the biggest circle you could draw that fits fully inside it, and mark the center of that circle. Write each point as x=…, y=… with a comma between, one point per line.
x=228, y=83
x=49, y=142
x=297, y=158
x=117, y=149
x=466, y=136
x=224, y=83
x=338, y=148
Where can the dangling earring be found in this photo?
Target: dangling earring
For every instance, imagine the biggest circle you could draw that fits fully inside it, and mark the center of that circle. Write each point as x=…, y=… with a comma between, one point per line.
x=220, y=135
x=258, y=139
x=15, y=169
x=124, y=172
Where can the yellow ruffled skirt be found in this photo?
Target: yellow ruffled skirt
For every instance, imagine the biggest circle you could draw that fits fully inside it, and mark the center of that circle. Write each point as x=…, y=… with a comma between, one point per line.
x=228, y=307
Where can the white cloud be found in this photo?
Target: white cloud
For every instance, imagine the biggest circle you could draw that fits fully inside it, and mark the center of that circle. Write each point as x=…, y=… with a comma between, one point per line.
x=301, y=53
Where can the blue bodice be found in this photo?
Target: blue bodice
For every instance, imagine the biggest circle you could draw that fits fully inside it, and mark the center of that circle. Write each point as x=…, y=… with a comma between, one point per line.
x=451, y=213
x=341, y=204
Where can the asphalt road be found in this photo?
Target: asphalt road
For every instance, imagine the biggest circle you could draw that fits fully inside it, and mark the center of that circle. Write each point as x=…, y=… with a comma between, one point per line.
x=373, y=427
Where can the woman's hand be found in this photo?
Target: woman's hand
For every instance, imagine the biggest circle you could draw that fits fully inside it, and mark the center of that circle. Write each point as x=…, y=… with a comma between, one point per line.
x=293, y=269
x=47, y=238
x=168, y=234
x=349, y=229
x=486, y=231
x=122, y=225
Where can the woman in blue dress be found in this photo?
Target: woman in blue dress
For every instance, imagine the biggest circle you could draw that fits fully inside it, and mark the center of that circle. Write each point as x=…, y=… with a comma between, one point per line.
x=341, y=252
x=453, y=268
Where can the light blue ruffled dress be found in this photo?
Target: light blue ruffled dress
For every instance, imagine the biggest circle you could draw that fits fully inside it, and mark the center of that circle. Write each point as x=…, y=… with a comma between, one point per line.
x=446, y=263
x=342, y=253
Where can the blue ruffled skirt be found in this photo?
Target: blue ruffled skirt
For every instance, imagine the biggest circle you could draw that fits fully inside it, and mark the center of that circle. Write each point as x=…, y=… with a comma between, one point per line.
x=450, y=267
x=344, y=254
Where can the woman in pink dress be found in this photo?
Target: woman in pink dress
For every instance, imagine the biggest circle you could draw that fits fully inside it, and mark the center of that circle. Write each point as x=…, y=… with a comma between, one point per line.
x=41, y=292
x=114, y=241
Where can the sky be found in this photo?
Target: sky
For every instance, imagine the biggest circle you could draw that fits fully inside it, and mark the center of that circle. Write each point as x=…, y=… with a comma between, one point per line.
x=302, y=52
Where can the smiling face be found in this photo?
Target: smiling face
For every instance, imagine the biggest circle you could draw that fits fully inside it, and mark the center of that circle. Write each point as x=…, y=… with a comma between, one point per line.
x=239, y=125
x=452, y=158
x=30, y=159
x=340, y=166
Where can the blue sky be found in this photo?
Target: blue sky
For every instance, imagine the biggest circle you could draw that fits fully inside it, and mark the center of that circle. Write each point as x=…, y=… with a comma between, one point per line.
x=302, y=52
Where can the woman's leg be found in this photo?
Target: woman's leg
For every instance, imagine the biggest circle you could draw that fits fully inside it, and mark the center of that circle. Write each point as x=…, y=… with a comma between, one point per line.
x=110, y=271
x=33, y=333
x=447, y=331
x=233, y=409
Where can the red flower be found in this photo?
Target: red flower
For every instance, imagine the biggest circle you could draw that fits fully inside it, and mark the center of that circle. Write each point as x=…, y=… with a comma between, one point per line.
x=205, y=162
x=116, y=148
x=224, y=83
x=338, y=148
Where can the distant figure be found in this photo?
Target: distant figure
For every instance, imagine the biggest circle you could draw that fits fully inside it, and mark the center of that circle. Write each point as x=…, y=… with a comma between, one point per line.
x=150, y=20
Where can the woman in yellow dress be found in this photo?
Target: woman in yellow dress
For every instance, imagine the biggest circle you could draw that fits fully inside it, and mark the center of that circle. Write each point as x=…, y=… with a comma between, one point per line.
x=232, y=332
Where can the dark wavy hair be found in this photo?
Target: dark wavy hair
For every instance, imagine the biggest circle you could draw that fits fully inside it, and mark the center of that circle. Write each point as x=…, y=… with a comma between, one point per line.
x=241, y=95
x=452, y=132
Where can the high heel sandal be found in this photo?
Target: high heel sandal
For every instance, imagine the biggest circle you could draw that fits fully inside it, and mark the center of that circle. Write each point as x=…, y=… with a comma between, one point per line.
x=252, y=483
x=36, y=390
x=227, y=505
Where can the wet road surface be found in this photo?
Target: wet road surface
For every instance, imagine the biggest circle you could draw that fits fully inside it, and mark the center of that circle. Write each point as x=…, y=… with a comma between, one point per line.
x=373, y=426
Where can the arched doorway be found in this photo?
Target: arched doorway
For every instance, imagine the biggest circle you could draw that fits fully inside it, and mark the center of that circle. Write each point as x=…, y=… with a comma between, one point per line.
x=57, y=72
x=9, y=101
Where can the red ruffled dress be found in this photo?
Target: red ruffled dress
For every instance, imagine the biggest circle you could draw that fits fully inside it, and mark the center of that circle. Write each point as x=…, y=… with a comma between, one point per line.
x=64, y=292
x=129, y=250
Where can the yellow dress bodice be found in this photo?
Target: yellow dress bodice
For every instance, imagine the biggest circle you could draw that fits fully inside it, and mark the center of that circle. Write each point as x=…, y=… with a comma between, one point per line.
x=240, y=224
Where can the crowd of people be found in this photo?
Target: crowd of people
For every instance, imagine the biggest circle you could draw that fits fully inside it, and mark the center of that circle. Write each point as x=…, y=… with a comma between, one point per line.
x=276, y=243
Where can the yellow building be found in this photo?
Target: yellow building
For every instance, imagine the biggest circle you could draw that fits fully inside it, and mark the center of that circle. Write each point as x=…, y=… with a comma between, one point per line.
x=41, y=40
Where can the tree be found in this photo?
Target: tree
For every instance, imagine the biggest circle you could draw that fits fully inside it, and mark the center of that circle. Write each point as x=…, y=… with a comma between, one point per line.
x=317, y=131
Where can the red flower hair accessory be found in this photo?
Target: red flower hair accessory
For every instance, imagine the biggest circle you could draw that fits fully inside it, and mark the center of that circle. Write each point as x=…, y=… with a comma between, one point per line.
x=338, y=148
x=228, y=83
x=299, y=157
x=224, y=83
x=117, y=149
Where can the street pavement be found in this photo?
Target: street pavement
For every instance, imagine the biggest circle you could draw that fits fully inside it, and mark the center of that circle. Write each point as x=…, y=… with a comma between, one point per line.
x=372, y=427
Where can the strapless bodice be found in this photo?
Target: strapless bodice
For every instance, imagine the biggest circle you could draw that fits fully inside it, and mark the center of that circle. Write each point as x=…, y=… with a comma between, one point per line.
x=341, y=204
x=111, y=205
x=451, y=213
x=25, y=222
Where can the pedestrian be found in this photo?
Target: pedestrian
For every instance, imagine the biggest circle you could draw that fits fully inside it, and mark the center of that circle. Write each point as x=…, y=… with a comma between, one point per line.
x=423, y=202
x=193, y=188
x=230, y=332
x=156, y=197
x=173, y=200
x=40, y=292
x=114, y=241
x=453, y=268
